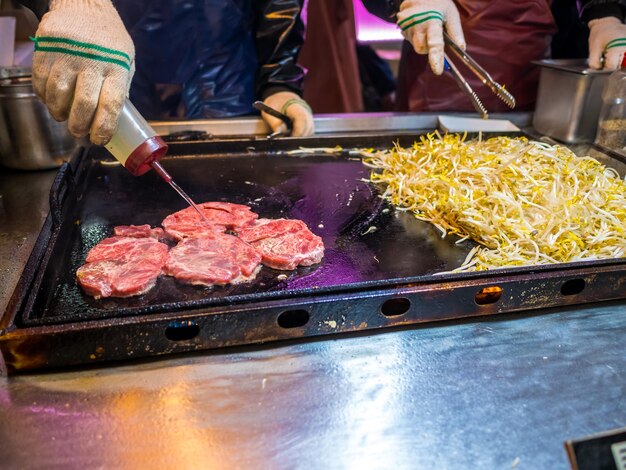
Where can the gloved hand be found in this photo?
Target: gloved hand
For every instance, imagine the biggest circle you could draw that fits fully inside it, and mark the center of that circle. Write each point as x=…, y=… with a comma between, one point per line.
x=421, y=22
x=293, y=106
x=607, y=37
x=83, y=64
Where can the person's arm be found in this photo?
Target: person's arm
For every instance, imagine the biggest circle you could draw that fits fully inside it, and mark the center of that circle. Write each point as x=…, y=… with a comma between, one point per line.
x=279, y=35
x=422, y=23
x=38, y=7
x=607, y=32
x=82, y=66
x=595, y=9
x=384, y=9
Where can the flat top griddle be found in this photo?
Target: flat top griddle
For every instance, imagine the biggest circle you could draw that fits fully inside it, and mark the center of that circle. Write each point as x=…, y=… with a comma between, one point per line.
x=381, y=267
x=365, y=239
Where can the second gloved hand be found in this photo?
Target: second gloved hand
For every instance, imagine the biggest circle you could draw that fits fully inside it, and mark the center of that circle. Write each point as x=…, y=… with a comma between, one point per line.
x=295, y=108
x=83, y=63
x=607, y=38
x=422, y=23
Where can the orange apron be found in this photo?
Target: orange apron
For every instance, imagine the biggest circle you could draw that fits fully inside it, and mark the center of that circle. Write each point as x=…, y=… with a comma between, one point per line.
x=504, y=36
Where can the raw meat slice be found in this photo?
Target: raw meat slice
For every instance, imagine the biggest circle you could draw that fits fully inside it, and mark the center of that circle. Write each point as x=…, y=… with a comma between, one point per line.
x=122, y=267
x=117, y=279
x=140, y=231
x=284, y=243
x=181, y=229
x=120, y=249
x=135, y=231
x=220, y=259
x=272, y=228
x=223, y=216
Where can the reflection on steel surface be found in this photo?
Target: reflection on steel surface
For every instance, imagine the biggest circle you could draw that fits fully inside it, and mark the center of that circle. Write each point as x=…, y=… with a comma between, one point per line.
x=457, y=395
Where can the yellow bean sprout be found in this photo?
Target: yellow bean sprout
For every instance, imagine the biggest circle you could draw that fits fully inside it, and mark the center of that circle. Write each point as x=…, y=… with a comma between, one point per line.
x=525, y=202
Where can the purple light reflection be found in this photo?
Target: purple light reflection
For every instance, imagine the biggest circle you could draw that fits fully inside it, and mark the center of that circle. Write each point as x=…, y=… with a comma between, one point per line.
x=57, y=412
x=333, y=199
x=336, y=266
x=370, y=28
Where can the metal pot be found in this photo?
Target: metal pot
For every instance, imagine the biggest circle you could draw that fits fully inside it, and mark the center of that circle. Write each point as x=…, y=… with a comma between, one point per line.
x=30, y=139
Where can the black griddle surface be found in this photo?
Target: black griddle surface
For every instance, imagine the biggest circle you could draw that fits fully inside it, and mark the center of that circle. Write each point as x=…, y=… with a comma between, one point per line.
x=382, y=267
x=365, y=239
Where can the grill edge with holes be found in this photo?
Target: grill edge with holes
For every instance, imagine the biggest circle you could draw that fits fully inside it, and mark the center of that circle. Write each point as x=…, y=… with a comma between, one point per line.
x=573, y=286
x=293, y=318
x=488, y=295
x=182, y=330
x=395, y=307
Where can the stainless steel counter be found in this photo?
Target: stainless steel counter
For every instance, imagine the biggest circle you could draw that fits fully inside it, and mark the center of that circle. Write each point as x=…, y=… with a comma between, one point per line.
x=499, y=393
x=23, y=209
x=331, y=123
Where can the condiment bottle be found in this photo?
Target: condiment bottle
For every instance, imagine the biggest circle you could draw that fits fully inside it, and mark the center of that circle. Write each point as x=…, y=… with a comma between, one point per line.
x=135, y=144
x=612, y=124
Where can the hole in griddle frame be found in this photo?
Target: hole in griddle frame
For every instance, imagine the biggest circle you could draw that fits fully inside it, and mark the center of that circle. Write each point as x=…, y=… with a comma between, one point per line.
x=573, y=286
x=182, y=330
x=395, y=307
x=293, y=318
x=488, y=295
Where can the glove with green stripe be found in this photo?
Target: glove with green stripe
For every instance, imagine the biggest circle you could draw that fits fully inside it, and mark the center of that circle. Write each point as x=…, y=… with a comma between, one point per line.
x=83, y=64
x=607, y=39
x=294, y=107
x=422, y=22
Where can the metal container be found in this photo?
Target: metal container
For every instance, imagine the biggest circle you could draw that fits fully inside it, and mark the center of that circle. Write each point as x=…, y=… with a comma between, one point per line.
x=30, y=139
x=569, y=100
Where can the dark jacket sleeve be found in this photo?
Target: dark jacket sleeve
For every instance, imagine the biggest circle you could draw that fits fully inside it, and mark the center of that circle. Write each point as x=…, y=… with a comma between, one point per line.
x=279, y=36
x=384, y=9
x=594, y=9
x=39, y=7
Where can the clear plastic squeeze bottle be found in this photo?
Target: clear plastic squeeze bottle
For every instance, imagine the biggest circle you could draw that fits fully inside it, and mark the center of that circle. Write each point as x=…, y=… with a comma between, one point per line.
x=612, y=123
x=135, y=144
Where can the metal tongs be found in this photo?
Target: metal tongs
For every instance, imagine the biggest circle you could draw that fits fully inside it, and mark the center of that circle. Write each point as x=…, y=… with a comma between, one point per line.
x=480, y=72
x=277, y=114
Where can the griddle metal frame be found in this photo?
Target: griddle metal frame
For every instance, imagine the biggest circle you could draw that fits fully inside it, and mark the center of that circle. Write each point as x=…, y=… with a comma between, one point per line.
x=373, y=306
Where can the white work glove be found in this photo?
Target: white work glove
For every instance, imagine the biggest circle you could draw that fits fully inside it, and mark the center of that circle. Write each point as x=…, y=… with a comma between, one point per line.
x=607, y=37
x=294, y=107
x=83, y=64
x=422, y=21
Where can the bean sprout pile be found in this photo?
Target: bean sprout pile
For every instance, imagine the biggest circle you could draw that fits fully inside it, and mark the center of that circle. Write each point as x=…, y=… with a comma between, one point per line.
x=524, y=202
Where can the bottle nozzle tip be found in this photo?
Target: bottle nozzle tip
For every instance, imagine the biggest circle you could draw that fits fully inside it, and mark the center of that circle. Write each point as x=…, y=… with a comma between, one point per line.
x=156, y=166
